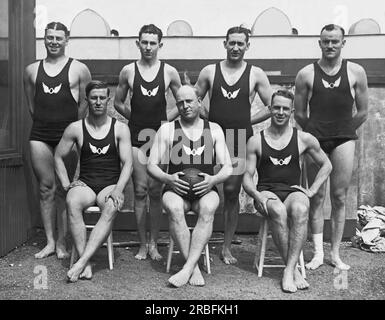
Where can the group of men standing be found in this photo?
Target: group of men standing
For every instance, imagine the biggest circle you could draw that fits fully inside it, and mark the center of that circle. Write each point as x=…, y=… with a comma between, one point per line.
x=156, y=149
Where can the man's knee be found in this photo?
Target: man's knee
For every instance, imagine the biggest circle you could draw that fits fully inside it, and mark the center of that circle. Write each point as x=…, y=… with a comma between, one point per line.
x=231, y=192
x=141, y=191
x=318, y=198
x=155, y=191
x=299, y=212
x=338, y=197
x=47, y=190
x=175, y=212
x=206, y=217
x=74, y=207
x=277, y=211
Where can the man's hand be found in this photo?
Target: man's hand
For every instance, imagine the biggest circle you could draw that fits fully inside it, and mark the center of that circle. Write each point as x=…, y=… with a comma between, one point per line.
x=180, y=186
x=203, y=187
x=260, y=203
x=73, y=184
x=117, y=198
x=308, y=192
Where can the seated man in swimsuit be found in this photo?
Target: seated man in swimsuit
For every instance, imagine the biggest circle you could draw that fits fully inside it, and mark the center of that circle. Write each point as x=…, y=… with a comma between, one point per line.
x=105, y=152
x=190, y=142
x=275, y=154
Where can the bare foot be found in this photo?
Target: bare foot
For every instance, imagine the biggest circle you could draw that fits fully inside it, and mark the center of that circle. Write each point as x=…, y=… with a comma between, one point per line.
x=197, y=278
x=288, y=284
x=316, y=262
x=74, y=273
x=61, y=251
x=227, y=257
x=47, y=251
x=153, y=252
x=142, y=253
x=181, y=278
x=87, y=272
x=337, y=262
x=299, y=281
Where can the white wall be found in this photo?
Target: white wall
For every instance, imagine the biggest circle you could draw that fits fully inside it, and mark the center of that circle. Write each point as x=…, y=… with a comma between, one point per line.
x=211, y=17
x=277, y=47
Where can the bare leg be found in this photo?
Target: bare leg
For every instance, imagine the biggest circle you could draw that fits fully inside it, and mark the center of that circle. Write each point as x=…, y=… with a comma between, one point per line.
x=205, y=207
x=231, y=189
x=155, y=214
x=61, y=212
x=176, y=208
x=97, y=236
x=43, y=166
x=297, y=205
x=78, y=198
x=342, y=159
x=316, y=217
x=280, y=230
x=140, y=180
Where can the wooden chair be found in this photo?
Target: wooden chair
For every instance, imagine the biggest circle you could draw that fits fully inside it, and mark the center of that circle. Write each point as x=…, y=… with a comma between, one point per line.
x=205, y=252
x=259, y=261
x=110, y=248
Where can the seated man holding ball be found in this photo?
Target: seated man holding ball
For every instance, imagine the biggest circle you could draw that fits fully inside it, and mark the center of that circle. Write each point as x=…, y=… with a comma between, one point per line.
x=190, y=147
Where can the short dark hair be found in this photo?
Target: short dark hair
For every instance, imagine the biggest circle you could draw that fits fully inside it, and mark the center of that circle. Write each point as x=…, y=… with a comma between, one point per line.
x=57, y=26
x=283, y=93
x=332, y=26
x=96, y=84
x=151, y=28
x=238, y=29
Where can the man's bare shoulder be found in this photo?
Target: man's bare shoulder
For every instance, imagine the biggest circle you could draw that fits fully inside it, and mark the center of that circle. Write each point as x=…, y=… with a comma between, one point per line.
x=257, y=71
x=308, y=139
x=128, y=69
x=170, y=69
x=166, y=127
x=79, y=66
x=356, y=68
x=208, y=70
x=121, y=127
x=215, y=129
x=74, y=128
x=255, y=139
x=307, y=71
x=32, y=68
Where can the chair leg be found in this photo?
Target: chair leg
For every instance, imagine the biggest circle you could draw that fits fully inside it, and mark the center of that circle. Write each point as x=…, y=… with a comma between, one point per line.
x=73, y=255
x=169, y=255
x=110, y=250
x=207, y=259
x=259, y=244
x=302, y=264
x=263, y=248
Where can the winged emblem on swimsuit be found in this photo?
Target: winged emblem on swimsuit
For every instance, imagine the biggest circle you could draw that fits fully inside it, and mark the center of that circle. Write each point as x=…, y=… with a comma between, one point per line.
x=149, y=93
x=280, y=162
x=194, y=152
x=331, y=85
x=99, y=151
x=230, y=95
x=49, y=90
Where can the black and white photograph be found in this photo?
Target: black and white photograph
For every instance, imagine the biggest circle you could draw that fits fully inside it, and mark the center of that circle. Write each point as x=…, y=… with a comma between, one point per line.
x=192, y=155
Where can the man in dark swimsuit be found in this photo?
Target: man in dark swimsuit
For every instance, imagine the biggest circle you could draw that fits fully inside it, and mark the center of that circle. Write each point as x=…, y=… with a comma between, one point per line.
x=54, y=88
x=331, y=86
x=275, y=154
x=232, y=85
x=105, y=167
x=148, y=79
x=190, y=142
